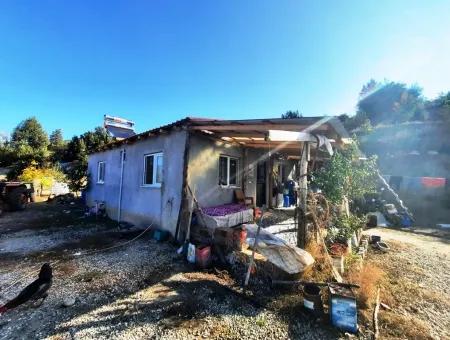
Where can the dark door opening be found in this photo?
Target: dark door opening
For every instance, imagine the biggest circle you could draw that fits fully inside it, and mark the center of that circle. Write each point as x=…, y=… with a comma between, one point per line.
x=260, y=184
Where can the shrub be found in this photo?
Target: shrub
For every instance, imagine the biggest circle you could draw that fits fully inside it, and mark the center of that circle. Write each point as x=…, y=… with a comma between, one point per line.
x=43, y=176
x=343, y=228
x=346, y=175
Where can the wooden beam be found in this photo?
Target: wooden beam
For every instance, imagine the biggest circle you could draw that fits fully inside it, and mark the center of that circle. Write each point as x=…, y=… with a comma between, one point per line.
x=259, y=127
x=251, y=134
x=302, y=230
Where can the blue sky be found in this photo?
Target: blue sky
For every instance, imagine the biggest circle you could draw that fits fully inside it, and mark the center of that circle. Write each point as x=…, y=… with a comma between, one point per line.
x=70, y=62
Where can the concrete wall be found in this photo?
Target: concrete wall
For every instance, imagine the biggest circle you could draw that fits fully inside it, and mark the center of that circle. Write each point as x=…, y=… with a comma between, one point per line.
x=203, y=171
x=141, y=205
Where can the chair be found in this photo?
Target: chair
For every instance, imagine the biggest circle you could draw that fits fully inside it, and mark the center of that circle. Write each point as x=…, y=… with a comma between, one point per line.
x=240, y=198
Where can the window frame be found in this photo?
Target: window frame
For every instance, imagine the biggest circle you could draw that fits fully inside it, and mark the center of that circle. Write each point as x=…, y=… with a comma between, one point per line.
x=155, y=166
x=238, y=161
x=99, y=165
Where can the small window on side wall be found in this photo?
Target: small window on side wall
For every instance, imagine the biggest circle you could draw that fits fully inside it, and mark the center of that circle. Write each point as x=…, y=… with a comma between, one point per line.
x=228, y=171
x=153, y=170
x=101, y=172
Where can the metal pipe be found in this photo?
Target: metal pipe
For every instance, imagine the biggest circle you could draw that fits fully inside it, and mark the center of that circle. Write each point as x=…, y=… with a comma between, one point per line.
x=122, y=161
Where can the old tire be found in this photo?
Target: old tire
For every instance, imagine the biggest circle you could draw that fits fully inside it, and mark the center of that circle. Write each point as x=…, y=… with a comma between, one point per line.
x=18, y=198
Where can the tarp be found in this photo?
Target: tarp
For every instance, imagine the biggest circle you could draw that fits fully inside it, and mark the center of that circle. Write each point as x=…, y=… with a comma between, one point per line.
x=285, y=257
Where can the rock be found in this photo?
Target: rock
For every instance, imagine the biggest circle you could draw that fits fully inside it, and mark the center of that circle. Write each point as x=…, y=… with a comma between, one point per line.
x=68, y=301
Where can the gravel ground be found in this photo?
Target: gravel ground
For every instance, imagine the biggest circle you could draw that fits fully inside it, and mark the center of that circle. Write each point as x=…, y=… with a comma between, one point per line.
x=140, y=290
x=417, y=285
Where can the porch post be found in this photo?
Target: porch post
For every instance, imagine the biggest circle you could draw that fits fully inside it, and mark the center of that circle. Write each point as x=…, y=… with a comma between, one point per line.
x=302, y=229
x=270, y=205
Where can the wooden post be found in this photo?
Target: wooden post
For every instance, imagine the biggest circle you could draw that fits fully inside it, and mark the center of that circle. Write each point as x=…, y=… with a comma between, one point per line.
x=270, y=205
x=302, y=230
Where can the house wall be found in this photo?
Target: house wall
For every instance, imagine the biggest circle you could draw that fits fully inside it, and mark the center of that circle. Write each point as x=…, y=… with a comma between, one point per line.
x=203, y=170
x=141, y=205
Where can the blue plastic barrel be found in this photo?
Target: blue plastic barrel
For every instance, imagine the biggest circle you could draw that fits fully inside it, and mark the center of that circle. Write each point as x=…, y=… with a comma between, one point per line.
x=286, y=201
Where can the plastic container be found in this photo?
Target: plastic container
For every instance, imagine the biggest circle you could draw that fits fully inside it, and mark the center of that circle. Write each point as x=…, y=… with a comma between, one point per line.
x=191, y=253
x=286, y=201
x=160, y=235
x=343, y=311
x=312, y=300
x=203, y=256
x=239, y=238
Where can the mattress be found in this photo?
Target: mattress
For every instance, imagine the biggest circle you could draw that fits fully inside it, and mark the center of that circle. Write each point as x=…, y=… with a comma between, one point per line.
x=226, y=216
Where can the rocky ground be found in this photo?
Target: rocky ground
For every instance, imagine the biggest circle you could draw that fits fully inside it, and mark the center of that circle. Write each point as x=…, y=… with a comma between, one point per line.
x=143, y=289
x=140, y=290
x=416, y=285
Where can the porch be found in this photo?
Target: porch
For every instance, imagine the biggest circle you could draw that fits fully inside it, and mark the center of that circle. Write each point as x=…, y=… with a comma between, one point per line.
x=257, y=157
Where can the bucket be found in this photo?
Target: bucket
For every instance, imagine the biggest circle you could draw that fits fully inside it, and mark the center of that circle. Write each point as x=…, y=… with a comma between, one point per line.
x=239, y=238
x=343, y=311
x=161, y=235
x=311, y=299
x=203, y=256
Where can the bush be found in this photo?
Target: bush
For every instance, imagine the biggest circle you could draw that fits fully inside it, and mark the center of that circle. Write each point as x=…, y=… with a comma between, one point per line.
x=346, y=175
x=343, y=228
x=77, y=175
x=43, y=176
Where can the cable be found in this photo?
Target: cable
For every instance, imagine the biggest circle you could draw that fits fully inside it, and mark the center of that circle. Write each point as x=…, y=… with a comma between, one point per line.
x=77, y=255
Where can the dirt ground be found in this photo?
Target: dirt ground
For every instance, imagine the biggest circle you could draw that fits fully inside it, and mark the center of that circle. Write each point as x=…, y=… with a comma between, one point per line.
x=144, y=289
x=140, y=290
x=416, y=286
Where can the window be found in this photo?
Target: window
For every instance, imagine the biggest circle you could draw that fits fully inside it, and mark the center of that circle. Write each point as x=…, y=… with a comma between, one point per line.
x=228, y=171
x=153, y=170
x=101, y=172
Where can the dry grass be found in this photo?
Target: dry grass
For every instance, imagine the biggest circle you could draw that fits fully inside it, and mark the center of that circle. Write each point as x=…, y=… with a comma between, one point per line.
x=401, y=326
x=321, y=270
x=369, y=278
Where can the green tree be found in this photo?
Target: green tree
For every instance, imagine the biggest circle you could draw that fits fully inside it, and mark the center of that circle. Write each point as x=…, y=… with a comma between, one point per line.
x=77, y=175
x=56, y=139
x=347, y=175
x=76, y=149
x=6, y=151
x=439, y=108
x=57, y=146
x=391, y=102
x=291, y=114
x=30, y=133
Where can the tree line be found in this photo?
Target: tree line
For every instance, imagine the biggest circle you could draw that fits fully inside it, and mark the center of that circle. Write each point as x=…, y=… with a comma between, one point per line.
x=30, y=146
x=390, y=102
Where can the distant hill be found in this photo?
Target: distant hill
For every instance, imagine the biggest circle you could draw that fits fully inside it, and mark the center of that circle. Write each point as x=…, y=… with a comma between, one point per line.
x=417, y=149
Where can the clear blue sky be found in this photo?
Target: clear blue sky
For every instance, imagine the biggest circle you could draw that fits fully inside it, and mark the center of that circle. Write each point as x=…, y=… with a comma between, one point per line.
x=70, y=62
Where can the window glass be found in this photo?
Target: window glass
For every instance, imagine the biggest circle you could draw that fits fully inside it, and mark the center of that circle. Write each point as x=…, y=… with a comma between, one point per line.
x=148, y=175
x=233, y=171
x=223, y=170
x=101, y=172
x=228, y=171
x=159, y=168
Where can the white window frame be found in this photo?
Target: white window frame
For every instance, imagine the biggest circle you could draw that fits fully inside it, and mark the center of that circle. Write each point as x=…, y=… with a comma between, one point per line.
x=154, y=184
x=228, y=185
x=101, y=180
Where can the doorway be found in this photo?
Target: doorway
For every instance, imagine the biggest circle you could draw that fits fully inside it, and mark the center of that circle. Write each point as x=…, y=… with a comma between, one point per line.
x=261, y=184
